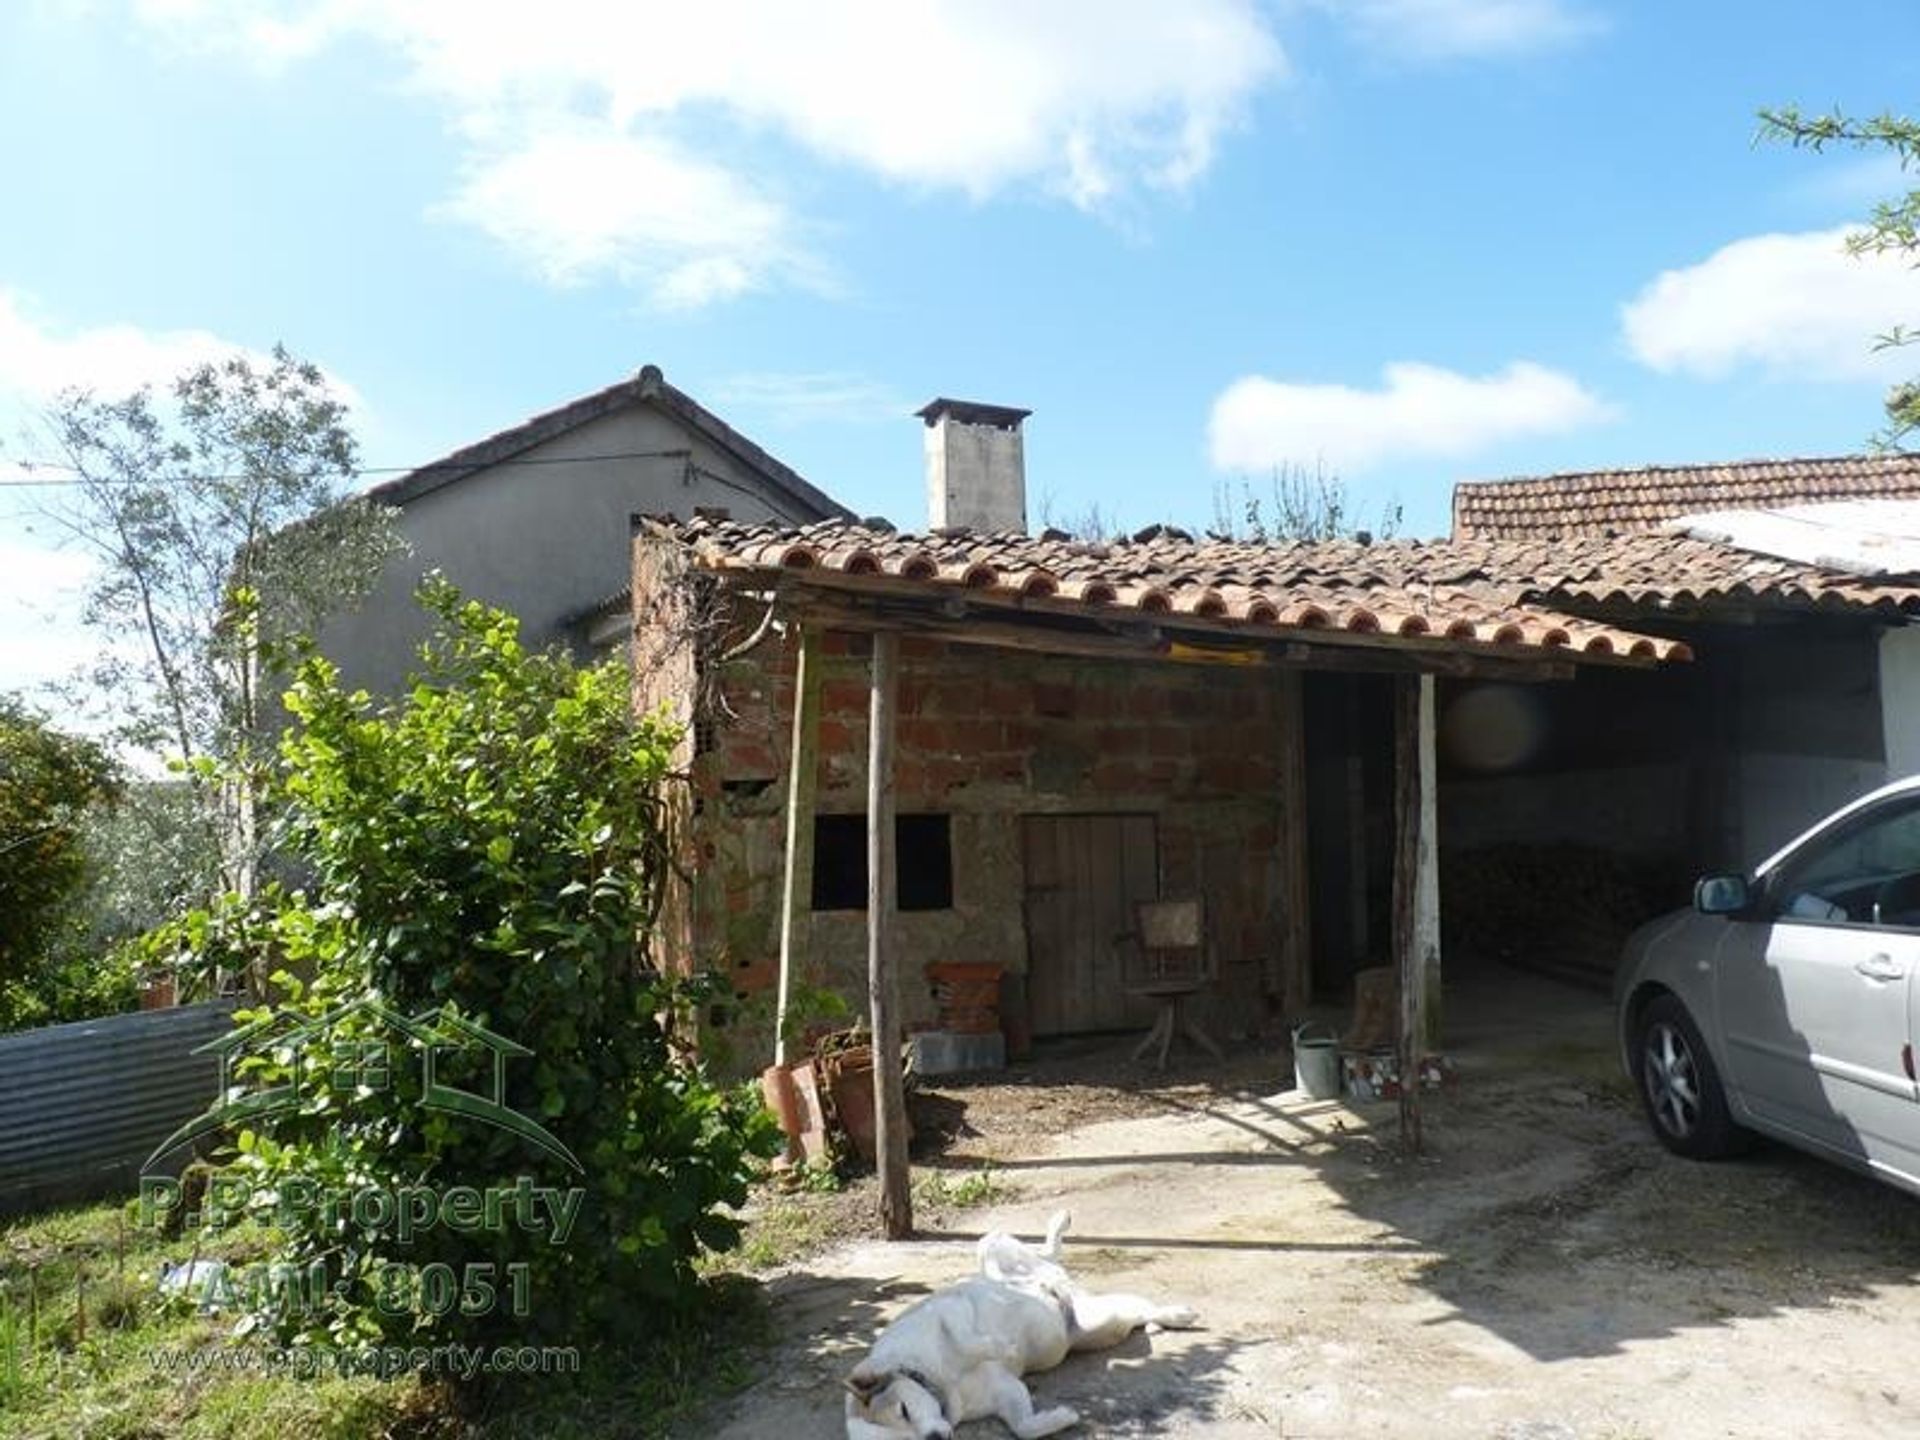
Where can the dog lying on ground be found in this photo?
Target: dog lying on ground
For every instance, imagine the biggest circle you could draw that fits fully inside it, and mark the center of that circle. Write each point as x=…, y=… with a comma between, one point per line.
x=959, y=1354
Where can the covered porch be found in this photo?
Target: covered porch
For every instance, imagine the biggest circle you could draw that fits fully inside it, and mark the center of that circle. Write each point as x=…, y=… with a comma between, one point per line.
x=915, y=749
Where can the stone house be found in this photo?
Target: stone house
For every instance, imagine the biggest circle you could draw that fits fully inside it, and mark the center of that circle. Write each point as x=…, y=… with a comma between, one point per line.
x=1068, y=729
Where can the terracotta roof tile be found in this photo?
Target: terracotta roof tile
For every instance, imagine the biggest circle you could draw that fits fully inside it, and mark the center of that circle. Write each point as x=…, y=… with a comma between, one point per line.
x=1504, y=595
x=1623, y=502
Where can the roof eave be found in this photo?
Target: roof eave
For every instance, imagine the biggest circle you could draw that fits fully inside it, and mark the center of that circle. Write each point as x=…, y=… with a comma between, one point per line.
x=951, y=609
x=648, y=387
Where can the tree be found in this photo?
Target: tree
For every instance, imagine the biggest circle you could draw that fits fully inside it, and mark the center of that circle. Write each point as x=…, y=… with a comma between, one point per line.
x=1300, y=504
x=491, y=842
x=48, y=784
x=1893, y=227
x=230, y=493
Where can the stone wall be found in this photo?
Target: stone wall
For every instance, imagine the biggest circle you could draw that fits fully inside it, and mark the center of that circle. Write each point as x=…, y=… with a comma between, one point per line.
x=988, y=737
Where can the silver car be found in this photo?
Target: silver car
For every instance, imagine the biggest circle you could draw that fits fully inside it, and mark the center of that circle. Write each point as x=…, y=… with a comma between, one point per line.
x=1785, y=1002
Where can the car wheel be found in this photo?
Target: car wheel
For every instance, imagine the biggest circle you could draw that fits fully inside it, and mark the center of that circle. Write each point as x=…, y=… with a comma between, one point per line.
x=1680, y=1086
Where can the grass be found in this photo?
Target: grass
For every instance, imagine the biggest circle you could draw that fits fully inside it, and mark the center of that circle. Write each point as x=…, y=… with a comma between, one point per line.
x=81, y=1315
x=783, y=1229
x=937, y=1190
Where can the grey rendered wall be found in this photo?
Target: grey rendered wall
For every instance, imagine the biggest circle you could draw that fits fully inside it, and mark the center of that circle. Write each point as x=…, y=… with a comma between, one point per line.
x=544, y=540
x=1711, y=764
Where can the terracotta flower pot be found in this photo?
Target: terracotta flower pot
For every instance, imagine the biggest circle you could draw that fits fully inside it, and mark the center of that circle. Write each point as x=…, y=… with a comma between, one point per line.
x=851, y=1086
x=813, y=1121
x=783, y=1099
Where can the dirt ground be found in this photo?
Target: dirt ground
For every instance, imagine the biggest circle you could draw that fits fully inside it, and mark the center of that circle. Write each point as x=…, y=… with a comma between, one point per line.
x=1545, y=1272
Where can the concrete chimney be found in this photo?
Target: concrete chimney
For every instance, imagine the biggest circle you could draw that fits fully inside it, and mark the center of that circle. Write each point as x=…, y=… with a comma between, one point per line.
x=976, y=466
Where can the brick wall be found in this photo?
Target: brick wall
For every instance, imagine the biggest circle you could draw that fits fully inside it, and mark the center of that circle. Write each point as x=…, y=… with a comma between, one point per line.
x=986, y=737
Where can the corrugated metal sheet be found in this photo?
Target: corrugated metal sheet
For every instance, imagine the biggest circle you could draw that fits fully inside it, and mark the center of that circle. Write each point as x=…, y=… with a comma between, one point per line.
x=1860, y=537
x=82, y=1105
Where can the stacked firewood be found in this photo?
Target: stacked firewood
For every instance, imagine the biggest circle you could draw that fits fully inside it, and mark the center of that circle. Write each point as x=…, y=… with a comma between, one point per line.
x=1562, y=910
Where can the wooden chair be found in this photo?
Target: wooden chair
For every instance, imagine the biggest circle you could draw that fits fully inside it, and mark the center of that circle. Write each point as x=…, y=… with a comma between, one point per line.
x=1175, y=964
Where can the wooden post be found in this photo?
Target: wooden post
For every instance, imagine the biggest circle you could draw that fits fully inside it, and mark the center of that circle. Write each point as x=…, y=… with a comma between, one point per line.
x=1426, y=889
x=1295, y=951
x=889, y=1099
x=802, y=774
x=1408, y=960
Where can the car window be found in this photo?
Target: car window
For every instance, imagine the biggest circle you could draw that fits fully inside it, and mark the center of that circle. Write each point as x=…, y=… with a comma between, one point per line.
x=1866, y=873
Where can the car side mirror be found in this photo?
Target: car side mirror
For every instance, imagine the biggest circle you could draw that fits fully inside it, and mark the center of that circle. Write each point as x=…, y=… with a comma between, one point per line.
x=1722, y=895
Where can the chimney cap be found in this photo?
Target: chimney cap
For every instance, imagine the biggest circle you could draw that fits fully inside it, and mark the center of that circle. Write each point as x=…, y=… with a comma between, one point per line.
x=972, y=412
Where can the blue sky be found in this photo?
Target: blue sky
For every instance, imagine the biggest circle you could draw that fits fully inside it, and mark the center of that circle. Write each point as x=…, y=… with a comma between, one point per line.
x=1414, y=240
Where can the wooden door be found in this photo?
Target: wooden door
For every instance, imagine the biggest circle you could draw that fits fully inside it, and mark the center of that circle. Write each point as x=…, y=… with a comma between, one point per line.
x=1084, y=875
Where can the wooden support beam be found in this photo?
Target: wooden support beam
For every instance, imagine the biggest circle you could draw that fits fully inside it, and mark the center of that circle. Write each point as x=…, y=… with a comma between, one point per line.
x=796, y=888
x=1426, y=886
x=1116, y=638
x=807, y=586
x=889, y=1096
x=1406, y=865
x=1295, y=978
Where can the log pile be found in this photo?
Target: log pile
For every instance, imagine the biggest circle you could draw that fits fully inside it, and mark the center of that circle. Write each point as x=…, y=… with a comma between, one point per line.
x=1560, y=910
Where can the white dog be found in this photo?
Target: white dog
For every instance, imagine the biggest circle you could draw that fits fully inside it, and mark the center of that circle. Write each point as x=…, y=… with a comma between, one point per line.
x=960, y=1353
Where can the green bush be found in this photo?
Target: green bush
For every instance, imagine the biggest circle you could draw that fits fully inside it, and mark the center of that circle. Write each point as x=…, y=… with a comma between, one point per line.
x=488, y=851
x=49, y=783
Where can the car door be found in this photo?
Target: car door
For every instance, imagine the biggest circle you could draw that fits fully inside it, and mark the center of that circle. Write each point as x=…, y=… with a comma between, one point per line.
x=1815, y=994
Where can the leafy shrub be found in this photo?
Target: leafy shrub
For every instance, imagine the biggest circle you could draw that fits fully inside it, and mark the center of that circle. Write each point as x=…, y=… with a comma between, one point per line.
x=486, y=852
x=49, y=782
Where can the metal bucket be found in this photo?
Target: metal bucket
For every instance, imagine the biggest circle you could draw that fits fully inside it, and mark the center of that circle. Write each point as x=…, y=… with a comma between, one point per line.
x=1316, y=1064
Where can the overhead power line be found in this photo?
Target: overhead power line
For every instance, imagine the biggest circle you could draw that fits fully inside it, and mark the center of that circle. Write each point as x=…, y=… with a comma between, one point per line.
x=359, y=472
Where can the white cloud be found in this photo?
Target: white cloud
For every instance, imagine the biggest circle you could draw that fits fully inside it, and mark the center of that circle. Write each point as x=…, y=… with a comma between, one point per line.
x=1439, y=30
x=1854, y=183
x=798, y=399
x=1796, y=305
x=1419, y=410
x=38, y=361
x=1093, y=100
x=579, y=205
x=39, y=612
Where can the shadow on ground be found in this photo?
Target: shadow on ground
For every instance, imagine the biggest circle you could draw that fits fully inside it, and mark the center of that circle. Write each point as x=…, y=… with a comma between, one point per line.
x=1134, y=1389
x=1543, y=1211
x=1543, y=1224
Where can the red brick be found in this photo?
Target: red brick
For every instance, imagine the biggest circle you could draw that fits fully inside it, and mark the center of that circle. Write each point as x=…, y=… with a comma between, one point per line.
x=959, y=696
x=1008, y=697
x=974, y=737
x=929, y=737
x=945, y=775
x=749, y=757
x=841, y=696
x=1146, y=702
x=1168, y=741
x=1053, y=700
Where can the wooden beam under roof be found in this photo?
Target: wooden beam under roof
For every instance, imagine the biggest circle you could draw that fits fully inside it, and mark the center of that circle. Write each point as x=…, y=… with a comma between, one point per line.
x=968, y=609
x=1149, y=639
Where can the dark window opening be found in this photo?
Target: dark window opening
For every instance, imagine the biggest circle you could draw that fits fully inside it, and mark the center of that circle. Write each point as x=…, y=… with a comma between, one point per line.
x=923, y=862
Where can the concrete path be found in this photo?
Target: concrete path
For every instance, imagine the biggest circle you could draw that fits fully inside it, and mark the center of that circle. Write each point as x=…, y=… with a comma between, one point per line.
x=1546, y=1272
